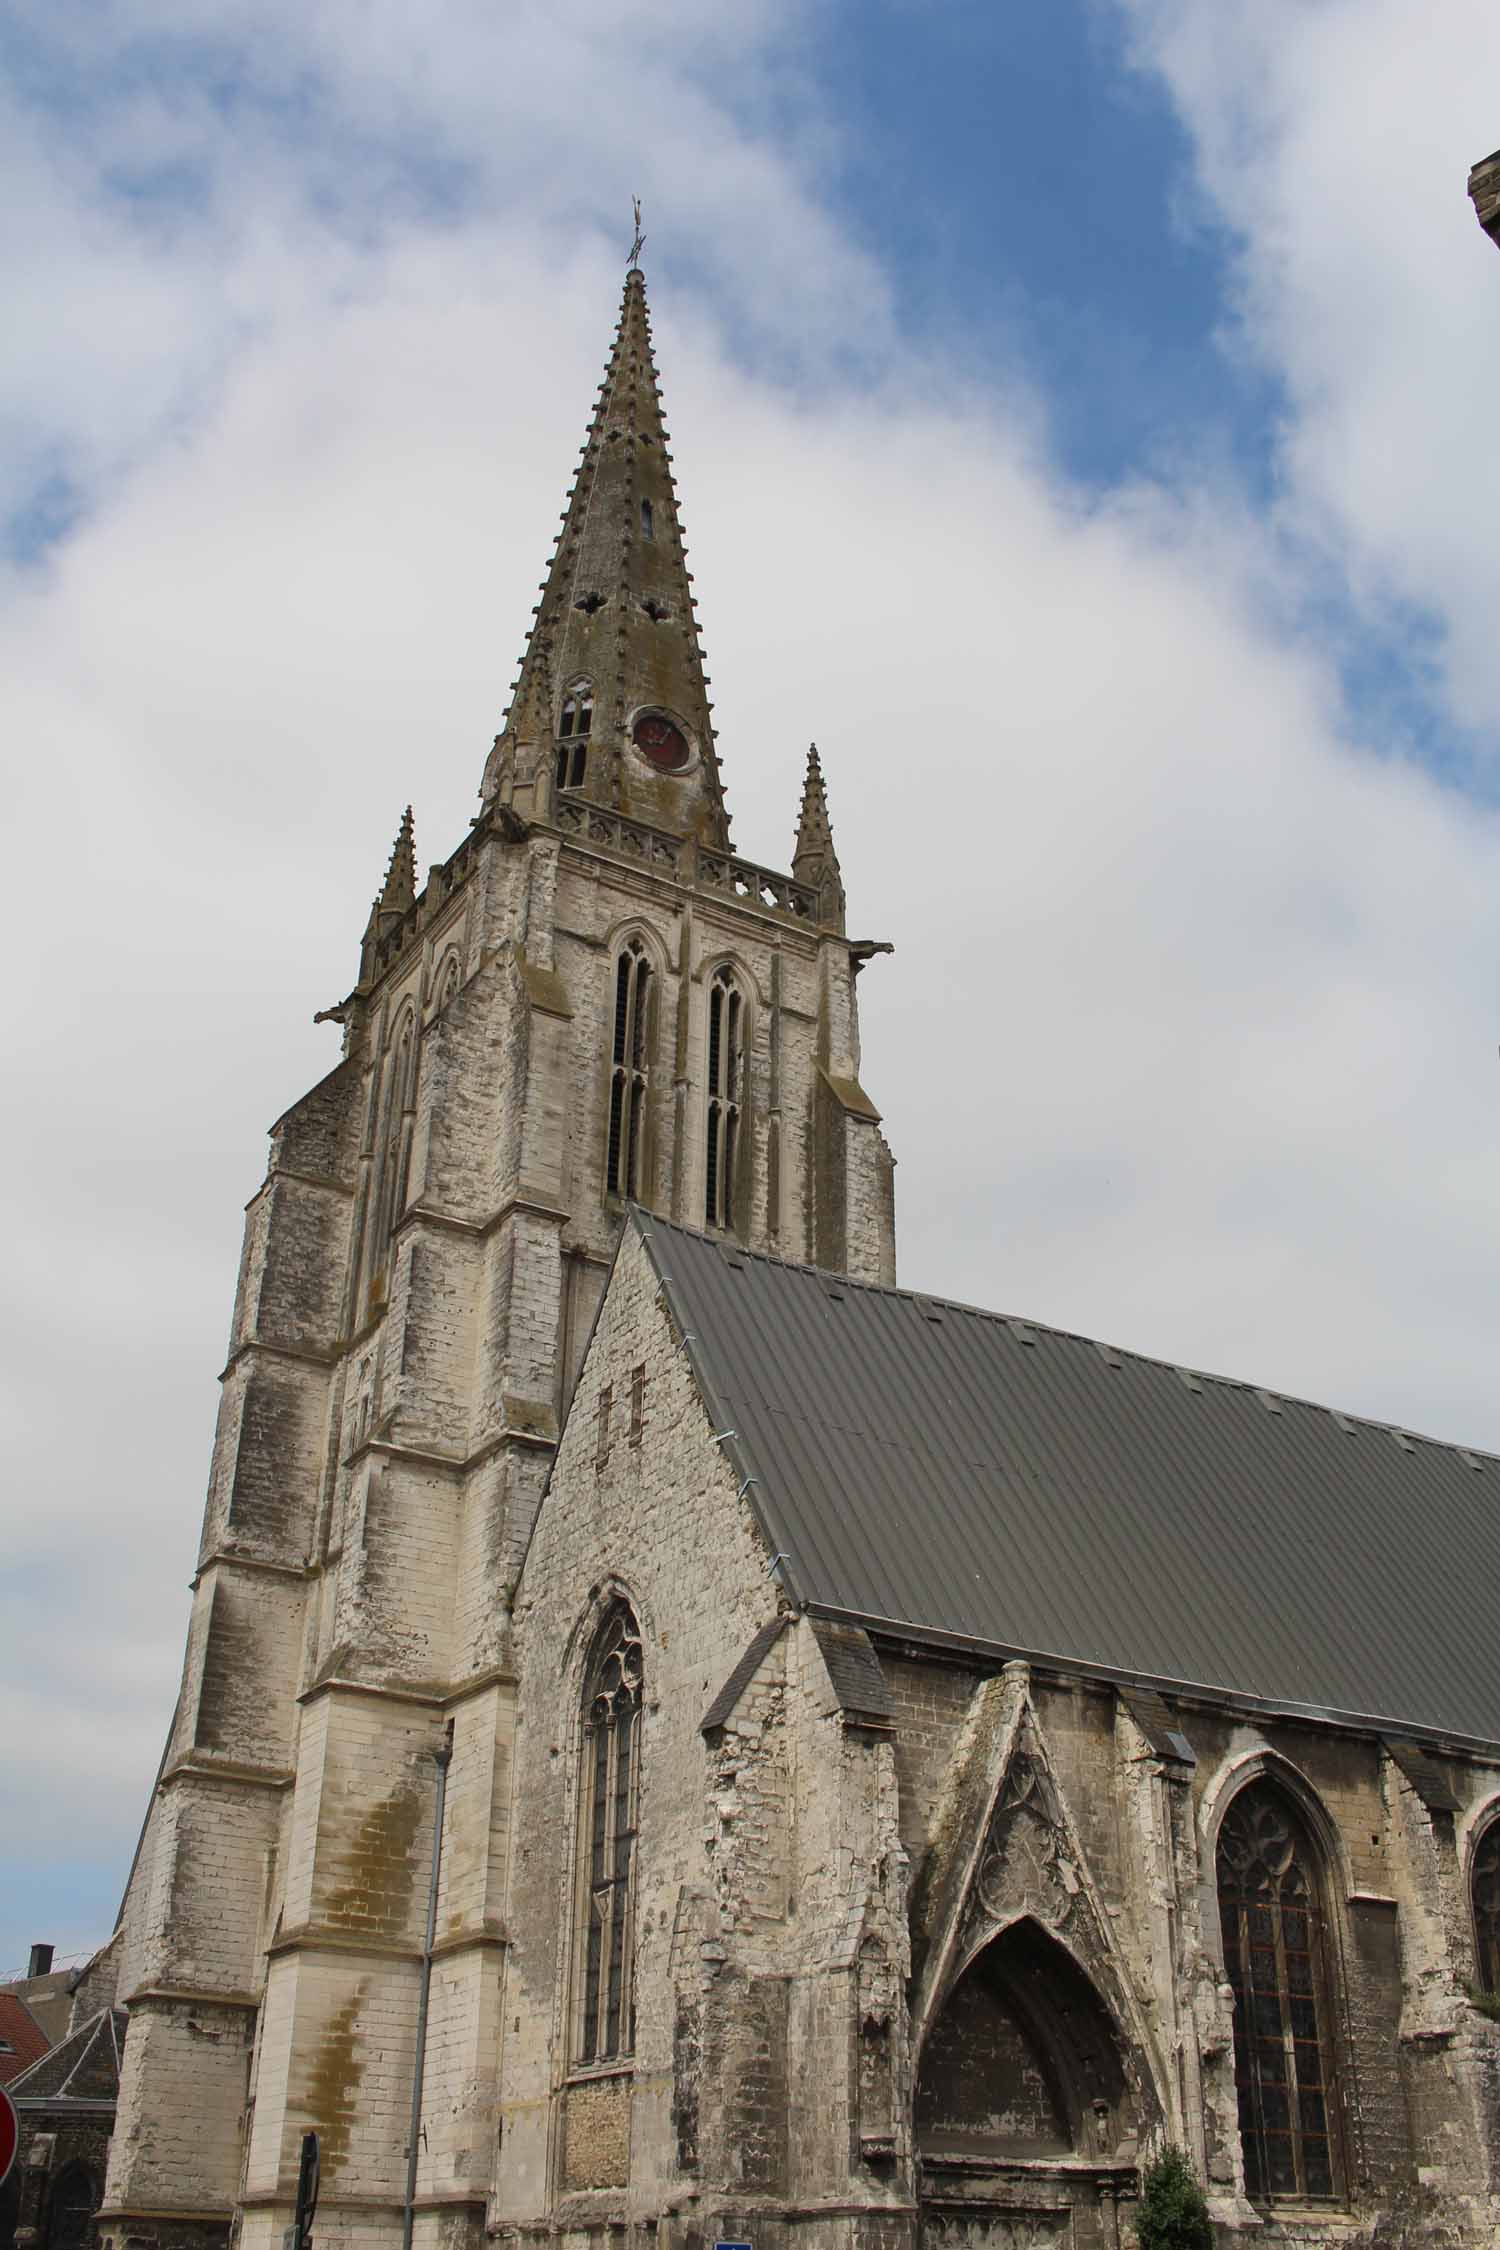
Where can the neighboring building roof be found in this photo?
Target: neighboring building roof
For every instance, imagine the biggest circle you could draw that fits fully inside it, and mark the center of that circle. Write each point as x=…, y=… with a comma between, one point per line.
x=49, y=1998
x=80, y=2072
x=22, y=2039
x=953, y=1475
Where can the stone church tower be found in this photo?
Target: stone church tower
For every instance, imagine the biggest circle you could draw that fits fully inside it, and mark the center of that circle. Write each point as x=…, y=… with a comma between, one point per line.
x=591, y=1002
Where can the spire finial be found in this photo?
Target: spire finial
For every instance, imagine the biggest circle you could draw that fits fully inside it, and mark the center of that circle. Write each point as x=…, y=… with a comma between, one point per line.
x=814, y=861
x=401, y=876
x=639, y=244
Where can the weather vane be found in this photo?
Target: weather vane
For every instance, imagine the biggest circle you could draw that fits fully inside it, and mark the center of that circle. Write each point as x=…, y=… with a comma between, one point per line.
x=639, y=243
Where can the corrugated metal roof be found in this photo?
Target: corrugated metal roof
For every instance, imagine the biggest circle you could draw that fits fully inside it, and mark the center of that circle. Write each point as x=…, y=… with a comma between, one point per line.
x=951, y=1473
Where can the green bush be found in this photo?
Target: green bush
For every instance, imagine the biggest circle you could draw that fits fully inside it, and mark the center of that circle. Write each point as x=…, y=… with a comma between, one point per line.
x=1173, y=2214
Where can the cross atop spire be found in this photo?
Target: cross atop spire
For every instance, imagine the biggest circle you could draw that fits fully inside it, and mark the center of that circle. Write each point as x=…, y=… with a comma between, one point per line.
x=814, y=859
x=613, y=652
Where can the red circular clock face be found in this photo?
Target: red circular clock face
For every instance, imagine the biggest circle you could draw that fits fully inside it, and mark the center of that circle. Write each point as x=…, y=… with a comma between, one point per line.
x=657, y=739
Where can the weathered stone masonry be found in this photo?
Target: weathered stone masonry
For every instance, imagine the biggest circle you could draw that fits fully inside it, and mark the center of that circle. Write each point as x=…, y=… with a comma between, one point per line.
x=923, y=1938
x=421, y=1272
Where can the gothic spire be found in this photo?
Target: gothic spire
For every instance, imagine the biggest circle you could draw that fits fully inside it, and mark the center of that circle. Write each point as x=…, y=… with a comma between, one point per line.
x=615, y=626
x=401, y=875
x=393, y=898
x=814, y=859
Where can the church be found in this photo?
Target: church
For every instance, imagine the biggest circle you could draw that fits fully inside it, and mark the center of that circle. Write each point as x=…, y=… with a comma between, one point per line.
x=683, y=1742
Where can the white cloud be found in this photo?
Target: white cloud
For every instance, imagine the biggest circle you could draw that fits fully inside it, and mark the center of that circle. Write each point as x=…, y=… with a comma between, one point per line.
x=1189, y=1038
x=1335, y=140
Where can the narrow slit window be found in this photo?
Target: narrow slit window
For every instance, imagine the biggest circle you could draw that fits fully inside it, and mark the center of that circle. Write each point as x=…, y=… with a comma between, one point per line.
x=573, y=730
x=626, y=1157
x=726, y=1018
x=609, y=1775
x=1486, y=1890
x=397, y=1120
x=601, y=1438
x=637, y=1402
x=647, y=527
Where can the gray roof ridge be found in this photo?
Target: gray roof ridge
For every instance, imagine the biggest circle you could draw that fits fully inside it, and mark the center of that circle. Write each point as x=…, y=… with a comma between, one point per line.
x=731, y=1247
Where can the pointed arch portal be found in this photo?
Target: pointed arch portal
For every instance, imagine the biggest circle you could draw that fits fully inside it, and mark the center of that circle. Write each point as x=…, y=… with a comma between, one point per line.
x=1023, y=2104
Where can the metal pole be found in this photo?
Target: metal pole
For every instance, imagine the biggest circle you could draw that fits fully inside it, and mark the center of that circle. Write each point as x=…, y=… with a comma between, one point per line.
x=441, y=1759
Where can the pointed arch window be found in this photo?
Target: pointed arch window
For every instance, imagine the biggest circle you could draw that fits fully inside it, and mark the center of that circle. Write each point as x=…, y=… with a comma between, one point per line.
x=609, y=1788
x=395, y=1129
x=1485, y=1889
x=575, y=723
x=726, y=1065
x=630, y=1072
x=1277, y=1961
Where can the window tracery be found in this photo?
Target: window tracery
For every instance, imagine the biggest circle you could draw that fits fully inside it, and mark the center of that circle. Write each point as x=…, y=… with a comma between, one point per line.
x=630, y=1072
x=395, y=1126
x=726, y=1020
x=1485, y=1891
x=605, y=2011
x=575, y=723
x=1276, y=1959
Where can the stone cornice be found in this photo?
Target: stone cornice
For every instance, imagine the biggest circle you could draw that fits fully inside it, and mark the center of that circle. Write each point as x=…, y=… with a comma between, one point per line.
x=192, y=1996
x=307, y=1355
x=230, y=1558
x=448, y=1464
x=197, y=2214
x=470, y=1941
x=421, y=1698
x=239, y=1775
x=323, y=1181
x=317, y=1938
x=435, y=1696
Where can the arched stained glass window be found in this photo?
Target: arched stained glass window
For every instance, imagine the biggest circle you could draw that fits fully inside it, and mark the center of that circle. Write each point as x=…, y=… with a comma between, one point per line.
x=726, y=1021
x=573, y=729
x=1486, y=1892
x=609, y=1785
x=630, y=1073
x=1276, y=1958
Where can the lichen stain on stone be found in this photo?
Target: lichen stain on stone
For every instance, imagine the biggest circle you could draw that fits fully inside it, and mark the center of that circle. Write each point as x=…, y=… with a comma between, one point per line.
x=376, y=1893
x=333, y=2083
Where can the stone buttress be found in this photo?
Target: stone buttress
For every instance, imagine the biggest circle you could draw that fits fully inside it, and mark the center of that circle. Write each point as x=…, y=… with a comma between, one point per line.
x=592, y=998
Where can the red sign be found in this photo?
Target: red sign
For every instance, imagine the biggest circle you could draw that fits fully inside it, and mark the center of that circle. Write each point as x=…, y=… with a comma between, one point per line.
x=10, y=2133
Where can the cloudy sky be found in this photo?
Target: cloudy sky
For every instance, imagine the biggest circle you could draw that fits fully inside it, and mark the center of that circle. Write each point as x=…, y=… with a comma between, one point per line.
x=1085, y=425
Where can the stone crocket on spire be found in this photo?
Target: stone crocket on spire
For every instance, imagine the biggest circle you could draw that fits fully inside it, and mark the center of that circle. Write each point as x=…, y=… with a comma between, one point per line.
x=814, y=860
x=613, y=654
x=395, y=895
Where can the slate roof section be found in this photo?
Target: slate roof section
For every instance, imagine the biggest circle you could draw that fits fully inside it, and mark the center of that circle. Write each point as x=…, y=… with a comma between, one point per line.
x=952, y=1475
x=723, y=1704
x=82, y=2072
x=1427, y=1777
x=854, y=1672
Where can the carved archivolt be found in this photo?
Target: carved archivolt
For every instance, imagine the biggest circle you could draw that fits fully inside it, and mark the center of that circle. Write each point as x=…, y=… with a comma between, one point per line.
x=1030, y=1866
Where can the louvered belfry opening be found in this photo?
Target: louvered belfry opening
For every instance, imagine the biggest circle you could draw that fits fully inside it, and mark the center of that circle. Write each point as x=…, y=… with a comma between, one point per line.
x=573, y=728
x=1276, y=1959
x=725, y=1072
x=630, y=1073
x=1486, y=1894
x=612, y=1704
